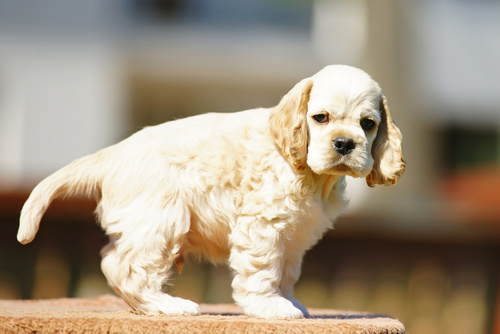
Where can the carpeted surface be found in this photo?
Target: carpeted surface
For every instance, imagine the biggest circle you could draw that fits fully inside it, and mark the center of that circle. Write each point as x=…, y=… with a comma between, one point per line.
x=109, y=314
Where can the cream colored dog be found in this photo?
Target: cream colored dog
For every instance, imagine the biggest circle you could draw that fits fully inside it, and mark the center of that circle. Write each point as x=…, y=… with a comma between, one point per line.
x=256, y=188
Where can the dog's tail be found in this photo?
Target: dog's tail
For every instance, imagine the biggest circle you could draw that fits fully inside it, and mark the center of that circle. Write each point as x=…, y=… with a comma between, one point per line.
x=81, y=177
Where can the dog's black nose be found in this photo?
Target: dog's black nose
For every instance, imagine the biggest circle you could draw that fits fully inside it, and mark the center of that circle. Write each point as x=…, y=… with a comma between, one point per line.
x=344, y=145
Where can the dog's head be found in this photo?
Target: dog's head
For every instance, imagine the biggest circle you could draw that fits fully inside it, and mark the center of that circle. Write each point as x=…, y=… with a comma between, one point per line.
x=338, y=122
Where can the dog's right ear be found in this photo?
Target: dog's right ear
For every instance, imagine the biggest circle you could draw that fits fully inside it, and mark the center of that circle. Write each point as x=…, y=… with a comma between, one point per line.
x=288, y=124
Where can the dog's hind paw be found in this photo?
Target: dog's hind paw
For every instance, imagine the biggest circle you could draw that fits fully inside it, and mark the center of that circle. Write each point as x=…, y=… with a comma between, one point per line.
x=170, y=305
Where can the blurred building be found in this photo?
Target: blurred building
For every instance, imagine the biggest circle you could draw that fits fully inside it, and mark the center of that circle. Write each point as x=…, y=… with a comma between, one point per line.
x=76, y=76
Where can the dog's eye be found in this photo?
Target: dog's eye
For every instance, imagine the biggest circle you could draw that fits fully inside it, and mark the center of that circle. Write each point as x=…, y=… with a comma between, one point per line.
x=321, y=118
x=367, y=124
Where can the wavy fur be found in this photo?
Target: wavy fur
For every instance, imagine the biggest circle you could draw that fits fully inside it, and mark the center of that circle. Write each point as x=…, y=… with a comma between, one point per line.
x=255, y=189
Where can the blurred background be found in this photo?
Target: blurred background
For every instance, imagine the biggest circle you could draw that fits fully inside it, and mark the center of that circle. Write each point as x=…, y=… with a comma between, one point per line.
x=76, y=76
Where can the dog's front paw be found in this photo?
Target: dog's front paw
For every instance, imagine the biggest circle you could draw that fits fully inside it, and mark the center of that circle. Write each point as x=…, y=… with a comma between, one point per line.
x=298, y=305
x=274, y=308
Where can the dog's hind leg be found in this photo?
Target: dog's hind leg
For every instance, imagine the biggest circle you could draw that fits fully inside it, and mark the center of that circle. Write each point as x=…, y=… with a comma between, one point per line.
x=139, y=282
x=138, y=260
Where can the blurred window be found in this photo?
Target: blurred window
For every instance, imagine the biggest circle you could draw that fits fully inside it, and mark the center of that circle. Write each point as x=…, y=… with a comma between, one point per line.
x=469, y=146
x=223, y=13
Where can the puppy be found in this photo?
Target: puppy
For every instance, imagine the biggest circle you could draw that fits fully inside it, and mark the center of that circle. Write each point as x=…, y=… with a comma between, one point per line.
x=255, y=188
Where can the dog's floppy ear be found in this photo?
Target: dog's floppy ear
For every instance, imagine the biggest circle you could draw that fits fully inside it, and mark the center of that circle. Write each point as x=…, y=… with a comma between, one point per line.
x=288, y=124
x=386, y=151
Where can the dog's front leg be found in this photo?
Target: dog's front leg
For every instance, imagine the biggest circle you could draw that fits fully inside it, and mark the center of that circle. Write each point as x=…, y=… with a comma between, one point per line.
x=292, y=263
x=257, y=250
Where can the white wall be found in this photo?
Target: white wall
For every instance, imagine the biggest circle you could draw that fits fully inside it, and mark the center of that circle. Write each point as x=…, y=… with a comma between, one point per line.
x=60, y=100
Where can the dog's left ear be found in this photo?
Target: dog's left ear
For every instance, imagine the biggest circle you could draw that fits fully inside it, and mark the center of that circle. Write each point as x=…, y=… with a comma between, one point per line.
x=388, y=165
x=288, y=124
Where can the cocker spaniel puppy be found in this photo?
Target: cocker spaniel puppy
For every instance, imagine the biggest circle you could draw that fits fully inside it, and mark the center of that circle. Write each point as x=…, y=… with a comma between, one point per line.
x=255, y=188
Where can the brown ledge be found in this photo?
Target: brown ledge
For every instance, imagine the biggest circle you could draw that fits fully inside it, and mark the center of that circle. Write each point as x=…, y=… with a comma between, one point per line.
x=109, y=314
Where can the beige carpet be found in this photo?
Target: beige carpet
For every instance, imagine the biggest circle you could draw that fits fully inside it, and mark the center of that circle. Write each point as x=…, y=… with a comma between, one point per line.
x=109, y=314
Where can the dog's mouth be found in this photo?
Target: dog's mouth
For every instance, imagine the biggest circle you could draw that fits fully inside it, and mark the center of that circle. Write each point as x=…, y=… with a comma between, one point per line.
x=345, y=167
x=342, y=168
x=354, y=165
